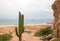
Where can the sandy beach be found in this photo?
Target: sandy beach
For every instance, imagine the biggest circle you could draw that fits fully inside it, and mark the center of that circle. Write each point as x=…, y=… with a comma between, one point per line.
x=25, y=36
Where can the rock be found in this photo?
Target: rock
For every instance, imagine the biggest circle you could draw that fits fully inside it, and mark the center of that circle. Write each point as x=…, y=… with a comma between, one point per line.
x=54, y=39
x=42, y=37
x=56, y=14
x=49, y=37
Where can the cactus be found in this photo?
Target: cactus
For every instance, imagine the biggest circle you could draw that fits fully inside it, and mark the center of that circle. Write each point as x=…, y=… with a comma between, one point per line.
x=20, y=28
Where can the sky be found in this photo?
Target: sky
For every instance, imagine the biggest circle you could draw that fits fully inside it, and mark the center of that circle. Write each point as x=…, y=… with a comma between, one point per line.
x=30, y=8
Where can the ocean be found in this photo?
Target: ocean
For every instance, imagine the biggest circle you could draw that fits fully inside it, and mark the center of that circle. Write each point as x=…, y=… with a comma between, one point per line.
x=26, y=21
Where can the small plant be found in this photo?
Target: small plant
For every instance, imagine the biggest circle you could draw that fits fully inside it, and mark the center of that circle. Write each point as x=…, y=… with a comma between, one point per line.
x=44, y=31
x=20, y=28
x=5, y=37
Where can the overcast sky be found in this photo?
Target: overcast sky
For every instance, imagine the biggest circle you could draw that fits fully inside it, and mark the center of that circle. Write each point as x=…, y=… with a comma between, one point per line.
x=30, y=8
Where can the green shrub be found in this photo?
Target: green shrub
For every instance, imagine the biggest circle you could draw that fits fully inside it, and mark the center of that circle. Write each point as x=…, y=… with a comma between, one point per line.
x=5, y=37
x=44, y=31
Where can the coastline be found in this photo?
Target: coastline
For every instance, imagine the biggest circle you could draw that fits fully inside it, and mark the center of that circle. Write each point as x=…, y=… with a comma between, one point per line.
x=26, y=36
x=29, y=26
x=24, y=24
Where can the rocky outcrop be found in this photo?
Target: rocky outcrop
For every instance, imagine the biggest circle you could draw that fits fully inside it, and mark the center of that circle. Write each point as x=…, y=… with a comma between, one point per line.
x=56, y=14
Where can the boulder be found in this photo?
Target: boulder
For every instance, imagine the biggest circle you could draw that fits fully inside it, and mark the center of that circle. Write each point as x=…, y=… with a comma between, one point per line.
x=55, y=39
x=48, y=37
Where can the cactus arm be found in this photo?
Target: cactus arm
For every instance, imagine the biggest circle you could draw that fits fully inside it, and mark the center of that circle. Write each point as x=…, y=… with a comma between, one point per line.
x=16, y=32
x=22, y=23
x=19, y=22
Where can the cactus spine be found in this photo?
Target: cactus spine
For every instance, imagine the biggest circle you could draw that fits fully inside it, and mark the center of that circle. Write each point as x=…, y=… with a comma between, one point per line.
x=20, y=28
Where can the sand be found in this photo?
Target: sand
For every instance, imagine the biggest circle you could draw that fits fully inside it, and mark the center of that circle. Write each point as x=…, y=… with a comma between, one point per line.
x=28, y=35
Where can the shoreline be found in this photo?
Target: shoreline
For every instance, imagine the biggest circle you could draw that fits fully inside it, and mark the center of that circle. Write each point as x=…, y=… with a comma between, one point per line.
x=28, y=28
x=26, y=24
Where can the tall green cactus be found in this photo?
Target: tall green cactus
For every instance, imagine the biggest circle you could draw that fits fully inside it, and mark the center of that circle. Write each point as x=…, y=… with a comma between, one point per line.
x=20, y=28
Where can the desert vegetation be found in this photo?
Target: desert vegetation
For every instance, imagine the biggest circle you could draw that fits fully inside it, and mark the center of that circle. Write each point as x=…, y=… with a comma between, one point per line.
x=5, y=37
x=46, y=33
x=20, y=28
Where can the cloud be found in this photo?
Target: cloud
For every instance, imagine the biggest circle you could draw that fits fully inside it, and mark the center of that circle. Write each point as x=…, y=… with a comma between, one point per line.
x=11, y=7
x=38, y=5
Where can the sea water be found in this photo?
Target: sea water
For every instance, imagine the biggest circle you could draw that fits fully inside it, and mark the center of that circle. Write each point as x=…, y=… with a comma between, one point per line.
x=26, y=21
